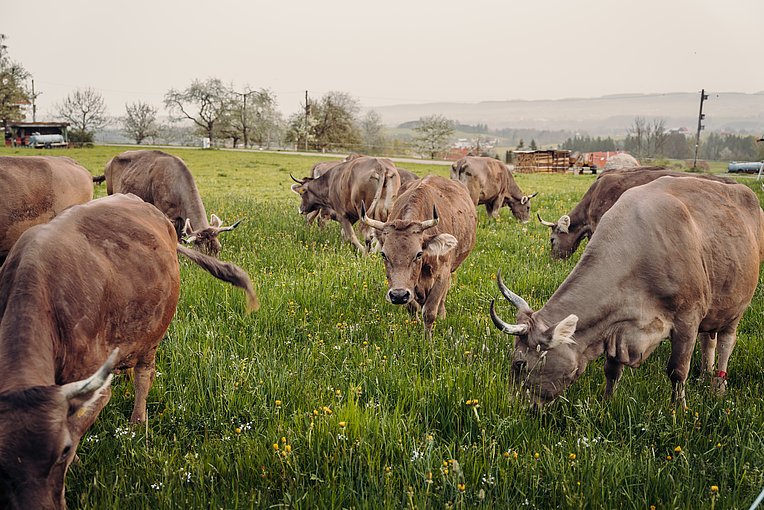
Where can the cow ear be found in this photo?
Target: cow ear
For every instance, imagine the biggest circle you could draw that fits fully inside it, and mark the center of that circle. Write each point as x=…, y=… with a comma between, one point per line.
x=440, y=244
x=297, y=188
x=563, y=332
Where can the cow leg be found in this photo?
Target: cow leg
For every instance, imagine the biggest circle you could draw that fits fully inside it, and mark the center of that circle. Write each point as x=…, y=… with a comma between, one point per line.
x=682, y=344
x=708, y=352
x=436, y=299
x=311, y=216
x=613, y=371
x=349, y=233
x=726, y=344
x=144, y=378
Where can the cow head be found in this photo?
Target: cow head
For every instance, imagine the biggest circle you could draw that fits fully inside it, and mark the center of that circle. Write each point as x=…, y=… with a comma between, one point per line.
x=410, y=253
x=545, y=359
x=309, y=200
x=206, y=239
x=40, y=429
x=521, y=208
x=565, y=236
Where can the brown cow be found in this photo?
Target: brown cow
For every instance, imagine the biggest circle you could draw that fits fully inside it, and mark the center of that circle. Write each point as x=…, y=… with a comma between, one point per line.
x=100, y=275
x=342, y=189
x=568, y=232
x=430, y=231
x=491, y=183
x=316, y=171
x=662, y=263
x=165, y=181
x=34, y=189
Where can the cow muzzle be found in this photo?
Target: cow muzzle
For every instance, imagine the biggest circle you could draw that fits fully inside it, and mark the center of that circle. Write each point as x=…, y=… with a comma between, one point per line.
x=399, y=296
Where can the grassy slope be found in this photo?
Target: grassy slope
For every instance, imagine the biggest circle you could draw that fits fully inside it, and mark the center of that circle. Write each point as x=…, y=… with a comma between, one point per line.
x=326, y=348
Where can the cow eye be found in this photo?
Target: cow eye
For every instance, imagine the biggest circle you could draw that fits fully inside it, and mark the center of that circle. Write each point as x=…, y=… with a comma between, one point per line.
x=65, y=453
x=382, y=254
x=419, y=255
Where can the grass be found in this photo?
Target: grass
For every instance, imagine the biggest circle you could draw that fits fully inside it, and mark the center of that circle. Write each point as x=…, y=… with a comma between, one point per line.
x=329, y=397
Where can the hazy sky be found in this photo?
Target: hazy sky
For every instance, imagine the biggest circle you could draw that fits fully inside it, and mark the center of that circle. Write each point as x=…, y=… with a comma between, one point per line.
x=390, y=51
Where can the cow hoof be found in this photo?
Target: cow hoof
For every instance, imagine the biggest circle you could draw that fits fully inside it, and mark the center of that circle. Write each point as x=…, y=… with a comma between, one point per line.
x=719, y=385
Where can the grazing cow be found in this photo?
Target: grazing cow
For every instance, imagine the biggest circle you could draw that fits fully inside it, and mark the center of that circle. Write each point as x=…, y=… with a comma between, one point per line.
x=568, y=232
x=34, y=189
x=100, y=276
x=165, y=181
x=662, y=263
x=428, y=234
x=318, y=170
x=342, y=188
x=491, y=183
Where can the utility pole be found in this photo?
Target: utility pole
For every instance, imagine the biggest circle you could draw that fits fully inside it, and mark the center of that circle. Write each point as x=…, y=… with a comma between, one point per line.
x=701, y=116
x=244, y=115
x=307, y=114
x=34, y=104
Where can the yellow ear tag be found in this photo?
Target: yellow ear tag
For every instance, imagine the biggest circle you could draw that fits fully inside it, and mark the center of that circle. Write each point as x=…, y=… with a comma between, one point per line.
x=301, y=191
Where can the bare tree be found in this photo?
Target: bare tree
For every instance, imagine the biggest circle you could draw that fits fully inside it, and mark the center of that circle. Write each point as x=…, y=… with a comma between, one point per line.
x=433, y=134
x=253, y=116
x=13, y=91
x=205, y=103
x=646, y=139
x=140, y=121
x=85, y=110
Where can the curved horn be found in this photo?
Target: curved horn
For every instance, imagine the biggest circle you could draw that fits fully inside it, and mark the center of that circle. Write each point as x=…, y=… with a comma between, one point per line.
x=533, y=195
x=369, y=221
x=434, y=221
x=563, y=223
x=295, y=179
x=512, y=329
x=95, y=381
x=513, y=298
x=228, y=229
x=546, y=223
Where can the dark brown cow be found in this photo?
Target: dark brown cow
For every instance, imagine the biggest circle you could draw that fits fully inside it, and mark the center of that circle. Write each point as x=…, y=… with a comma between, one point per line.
x=662, y=263
x=318, y=170
x=99, y=276
x=430, y=231
x=165, y=181
x=491, y=183
x=342, y=189
x=568, y=232
x=34, y=189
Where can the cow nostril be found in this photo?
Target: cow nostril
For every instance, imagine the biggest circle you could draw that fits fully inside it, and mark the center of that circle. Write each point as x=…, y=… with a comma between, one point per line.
x=519, y=365
x=399, y=296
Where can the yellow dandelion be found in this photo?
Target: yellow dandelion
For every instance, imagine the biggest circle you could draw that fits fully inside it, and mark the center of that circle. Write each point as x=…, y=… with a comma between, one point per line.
x=572, y=456
x=278, y=403
x=275, y=447
x=283, y=439
x=678, y=449
x=288, y=448
x=514, y=455
x=718, y=445
x=714, y=489
x=342, y=424
x=238, y=430
x=505, y=455
x=461, y=487
x=669, y=457
x=536, y=455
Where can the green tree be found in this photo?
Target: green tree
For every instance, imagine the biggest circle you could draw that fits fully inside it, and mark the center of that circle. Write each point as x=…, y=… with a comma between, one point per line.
x=433, y=135
x=330, y=123
x=13, y=91
x=205, y=103
x=533, y=145
x=140, y=121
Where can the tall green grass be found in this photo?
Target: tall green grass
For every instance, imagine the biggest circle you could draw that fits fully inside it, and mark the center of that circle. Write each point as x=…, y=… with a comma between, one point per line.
x=329, y=397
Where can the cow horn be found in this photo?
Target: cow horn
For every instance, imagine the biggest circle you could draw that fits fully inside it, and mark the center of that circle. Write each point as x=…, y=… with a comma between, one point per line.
x=564, y=223
x=512, y=329
x=295, y=179
x=513, y=298
x=187, y=228
x=369, y=221
x=546, y=223
x=95, y=381
x=434, y=221
x=228, y=229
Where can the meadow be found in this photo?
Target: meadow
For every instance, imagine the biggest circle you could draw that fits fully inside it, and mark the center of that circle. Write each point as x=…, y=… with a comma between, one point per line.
x=330, y=397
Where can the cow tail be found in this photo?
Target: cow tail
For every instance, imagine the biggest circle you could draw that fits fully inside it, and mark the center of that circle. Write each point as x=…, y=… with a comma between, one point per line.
x=230, y=273
x=98, y=179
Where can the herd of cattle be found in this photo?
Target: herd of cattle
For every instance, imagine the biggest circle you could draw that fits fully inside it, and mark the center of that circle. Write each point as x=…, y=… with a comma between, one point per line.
x=670, y=255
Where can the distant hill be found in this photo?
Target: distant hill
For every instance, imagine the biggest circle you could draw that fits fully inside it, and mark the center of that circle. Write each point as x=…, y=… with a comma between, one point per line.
x=602, y=116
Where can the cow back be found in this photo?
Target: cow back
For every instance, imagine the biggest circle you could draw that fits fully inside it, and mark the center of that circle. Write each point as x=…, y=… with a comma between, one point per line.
x=100, y=275
x=34, y=189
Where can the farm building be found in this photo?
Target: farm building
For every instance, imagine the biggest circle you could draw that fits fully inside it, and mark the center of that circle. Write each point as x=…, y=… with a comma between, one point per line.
x=541, y=161
x=23, y=134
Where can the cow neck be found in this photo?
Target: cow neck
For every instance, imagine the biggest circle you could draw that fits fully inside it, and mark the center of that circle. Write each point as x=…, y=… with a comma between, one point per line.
x=28, y=335
x=596, y=305
x=195, y=210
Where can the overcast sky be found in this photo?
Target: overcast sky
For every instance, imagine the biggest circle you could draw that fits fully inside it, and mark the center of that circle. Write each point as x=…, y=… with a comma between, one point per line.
x=390, y=51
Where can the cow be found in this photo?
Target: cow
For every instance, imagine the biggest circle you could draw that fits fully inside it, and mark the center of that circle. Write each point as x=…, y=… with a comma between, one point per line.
x=568, y=232
x=491, y=183
x=34, y=189
x=662, y=263
x=431, y=229
x=345, y=186
x=166, y=182
x=99, y=276
x=316, y=171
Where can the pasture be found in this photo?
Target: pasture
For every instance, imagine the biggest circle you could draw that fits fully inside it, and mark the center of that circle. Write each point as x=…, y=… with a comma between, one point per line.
x=330, y=397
